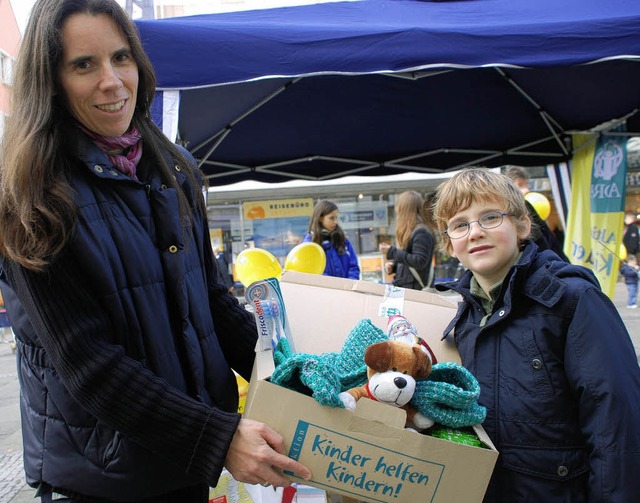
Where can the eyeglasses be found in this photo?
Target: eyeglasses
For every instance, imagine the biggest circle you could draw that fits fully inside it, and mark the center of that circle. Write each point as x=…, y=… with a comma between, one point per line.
x=490, y=220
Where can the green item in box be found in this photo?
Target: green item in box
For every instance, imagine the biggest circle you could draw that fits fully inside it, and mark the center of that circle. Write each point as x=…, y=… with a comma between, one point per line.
x=459, y=435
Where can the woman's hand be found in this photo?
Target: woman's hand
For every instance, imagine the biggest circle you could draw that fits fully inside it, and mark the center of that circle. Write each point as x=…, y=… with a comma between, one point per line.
x=388, y=267
x=257, y=456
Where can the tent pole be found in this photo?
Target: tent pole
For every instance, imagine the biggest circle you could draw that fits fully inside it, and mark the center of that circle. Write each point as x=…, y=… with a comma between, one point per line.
x=227, y=129
x=544, y=115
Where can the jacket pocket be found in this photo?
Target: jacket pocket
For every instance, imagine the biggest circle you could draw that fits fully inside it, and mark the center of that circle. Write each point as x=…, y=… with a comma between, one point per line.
x=534, y=374
x=546, y=474
x=561, y=463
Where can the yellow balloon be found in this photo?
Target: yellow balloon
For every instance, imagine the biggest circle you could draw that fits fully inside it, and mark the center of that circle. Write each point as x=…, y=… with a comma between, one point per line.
x=622, y=253
x=540, y=203
x=306, y=257
x=254, y=264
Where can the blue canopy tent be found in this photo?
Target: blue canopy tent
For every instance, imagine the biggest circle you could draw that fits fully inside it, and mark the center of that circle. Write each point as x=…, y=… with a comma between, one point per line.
x=385, y=86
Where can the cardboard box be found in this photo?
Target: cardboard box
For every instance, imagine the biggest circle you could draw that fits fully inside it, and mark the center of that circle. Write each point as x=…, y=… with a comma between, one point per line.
x=366, y=454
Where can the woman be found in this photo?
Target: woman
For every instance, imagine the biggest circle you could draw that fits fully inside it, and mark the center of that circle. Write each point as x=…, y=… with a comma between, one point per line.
x=411, y=259
x=126, y=339
x=324, y=230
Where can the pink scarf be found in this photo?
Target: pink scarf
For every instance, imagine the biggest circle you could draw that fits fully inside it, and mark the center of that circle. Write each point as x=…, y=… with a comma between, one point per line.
x=113, y=145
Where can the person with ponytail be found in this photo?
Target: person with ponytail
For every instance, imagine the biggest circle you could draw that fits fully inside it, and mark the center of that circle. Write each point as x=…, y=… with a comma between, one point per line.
x=324, y=230
x=126, y=338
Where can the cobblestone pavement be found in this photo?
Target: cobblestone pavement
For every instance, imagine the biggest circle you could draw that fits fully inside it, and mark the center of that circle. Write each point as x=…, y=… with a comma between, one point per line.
x=13, y=488
x=11, y=475
x=12, y=480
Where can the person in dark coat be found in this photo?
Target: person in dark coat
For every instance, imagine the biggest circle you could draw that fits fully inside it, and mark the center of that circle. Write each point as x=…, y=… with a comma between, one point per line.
x=631, y=237
x=629, y=271
x=411, y=260
x=557, y=370
x=126, y=339
x=541, y=234
x=223, y=269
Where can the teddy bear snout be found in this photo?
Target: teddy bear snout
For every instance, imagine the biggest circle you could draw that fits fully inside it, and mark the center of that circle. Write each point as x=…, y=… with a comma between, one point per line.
x=400, y=382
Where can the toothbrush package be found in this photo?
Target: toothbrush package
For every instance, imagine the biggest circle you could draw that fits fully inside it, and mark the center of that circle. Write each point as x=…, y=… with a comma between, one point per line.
x=267, y=305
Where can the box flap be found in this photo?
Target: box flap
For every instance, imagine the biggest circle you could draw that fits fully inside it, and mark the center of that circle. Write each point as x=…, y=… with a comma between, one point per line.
x=322, y=310
x=378, y=419
x=263, y=366
x=369, y=287
x=482, y=435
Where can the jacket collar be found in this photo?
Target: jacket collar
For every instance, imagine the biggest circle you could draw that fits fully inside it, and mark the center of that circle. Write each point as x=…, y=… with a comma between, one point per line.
x=542, y=285
x=539, y=282
x=98, y=164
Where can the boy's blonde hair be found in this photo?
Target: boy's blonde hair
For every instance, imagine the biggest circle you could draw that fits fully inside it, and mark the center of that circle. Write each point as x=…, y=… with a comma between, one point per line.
x=477, y=185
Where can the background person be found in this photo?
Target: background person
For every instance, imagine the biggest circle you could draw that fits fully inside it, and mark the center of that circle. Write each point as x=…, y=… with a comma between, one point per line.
x=411, y=260
x=126, y=339
x=324, y=230
x=223, y=269
x=540, y=232
x=629, y=271
x=630, y=236
x=557, y=370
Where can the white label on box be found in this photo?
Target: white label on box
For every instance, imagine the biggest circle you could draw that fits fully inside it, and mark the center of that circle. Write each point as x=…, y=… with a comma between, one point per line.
x=392, y=303
x=382, y=474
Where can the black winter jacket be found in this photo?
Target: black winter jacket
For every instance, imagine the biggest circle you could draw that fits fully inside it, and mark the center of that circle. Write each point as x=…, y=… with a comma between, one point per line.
x=631, y=239
x=126, y=345
x=418, y=254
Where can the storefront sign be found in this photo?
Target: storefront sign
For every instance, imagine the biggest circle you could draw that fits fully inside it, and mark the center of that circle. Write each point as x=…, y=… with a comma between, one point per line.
x=364, y=214
x=278, y=208
x=633, y=179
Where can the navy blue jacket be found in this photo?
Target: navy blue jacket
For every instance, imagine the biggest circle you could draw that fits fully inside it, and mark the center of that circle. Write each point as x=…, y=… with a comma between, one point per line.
x=126, y=344
x=560, y=379
x=630, y=274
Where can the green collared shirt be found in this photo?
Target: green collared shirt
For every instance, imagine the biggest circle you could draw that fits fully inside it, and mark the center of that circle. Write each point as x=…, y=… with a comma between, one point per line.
x=488, y=301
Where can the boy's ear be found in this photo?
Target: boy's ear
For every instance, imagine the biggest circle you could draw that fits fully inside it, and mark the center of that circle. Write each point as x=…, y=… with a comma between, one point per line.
x=449, y=248
x=524, y=228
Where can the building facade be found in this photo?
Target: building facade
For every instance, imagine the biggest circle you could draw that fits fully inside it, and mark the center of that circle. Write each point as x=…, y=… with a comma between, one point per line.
x=9, y=43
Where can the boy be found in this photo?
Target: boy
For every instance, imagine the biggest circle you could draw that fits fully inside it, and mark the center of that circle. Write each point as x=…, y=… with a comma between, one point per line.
x=556, y=367
x=629, y=271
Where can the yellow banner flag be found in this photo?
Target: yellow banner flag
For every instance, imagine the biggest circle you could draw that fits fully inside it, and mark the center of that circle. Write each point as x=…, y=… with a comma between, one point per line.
x=596, y=212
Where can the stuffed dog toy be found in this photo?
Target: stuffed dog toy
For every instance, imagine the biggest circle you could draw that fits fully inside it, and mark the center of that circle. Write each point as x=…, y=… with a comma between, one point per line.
x=392, y=370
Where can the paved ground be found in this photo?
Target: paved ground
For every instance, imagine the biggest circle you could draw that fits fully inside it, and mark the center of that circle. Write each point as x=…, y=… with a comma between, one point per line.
x=12, y=486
